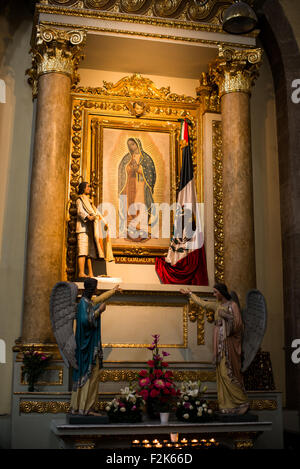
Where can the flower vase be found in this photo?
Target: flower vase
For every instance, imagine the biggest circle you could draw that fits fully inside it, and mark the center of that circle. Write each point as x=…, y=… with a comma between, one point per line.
x=31, y=386
x=164, y=417
x=151, y=410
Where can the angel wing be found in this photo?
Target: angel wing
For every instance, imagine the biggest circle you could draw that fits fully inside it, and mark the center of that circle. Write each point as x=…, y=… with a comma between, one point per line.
x=62, y=315
x=255, y=323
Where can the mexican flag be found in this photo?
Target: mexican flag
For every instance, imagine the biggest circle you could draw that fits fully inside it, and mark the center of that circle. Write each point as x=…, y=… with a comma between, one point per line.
x=185, y=263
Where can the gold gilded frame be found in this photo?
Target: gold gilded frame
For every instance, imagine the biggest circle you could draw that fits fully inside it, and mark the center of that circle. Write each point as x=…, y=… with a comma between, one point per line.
x=92, y=166
x=58, y=382
x=184, y=343
x=114, y=104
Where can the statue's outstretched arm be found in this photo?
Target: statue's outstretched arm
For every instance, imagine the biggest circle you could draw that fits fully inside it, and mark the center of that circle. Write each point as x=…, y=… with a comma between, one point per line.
x=106, y=295
x=103, y=297
x=205, y=304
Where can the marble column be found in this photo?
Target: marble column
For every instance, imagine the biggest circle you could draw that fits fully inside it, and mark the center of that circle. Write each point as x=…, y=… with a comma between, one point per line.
x=234, y=72
x=55, y=58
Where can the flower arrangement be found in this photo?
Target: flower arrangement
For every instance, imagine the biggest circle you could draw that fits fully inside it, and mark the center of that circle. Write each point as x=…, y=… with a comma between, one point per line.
x=156, y=383
x=191, y=407
x=127, y=407
x=34, y=365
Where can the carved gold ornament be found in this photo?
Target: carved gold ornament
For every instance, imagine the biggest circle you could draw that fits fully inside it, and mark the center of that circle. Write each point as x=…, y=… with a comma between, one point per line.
x=235, y=69
x=207, y=94
x=206, y=14
x=63, y=407
x=135, y=86
x=218, y=201
x=55, y=50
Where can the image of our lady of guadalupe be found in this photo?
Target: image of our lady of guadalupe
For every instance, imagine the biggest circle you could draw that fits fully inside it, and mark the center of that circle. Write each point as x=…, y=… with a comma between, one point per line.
x=136, y=181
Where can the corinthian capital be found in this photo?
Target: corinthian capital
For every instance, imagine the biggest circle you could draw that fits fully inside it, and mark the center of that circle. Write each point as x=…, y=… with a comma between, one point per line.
x=235, y=69
x=56, y=50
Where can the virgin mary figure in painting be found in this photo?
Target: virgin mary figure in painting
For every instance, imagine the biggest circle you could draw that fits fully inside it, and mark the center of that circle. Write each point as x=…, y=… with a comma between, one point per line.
x=136, y=181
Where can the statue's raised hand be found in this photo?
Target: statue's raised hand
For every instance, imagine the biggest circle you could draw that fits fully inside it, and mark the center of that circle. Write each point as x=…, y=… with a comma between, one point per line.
x=185, y=292
x=118, y=289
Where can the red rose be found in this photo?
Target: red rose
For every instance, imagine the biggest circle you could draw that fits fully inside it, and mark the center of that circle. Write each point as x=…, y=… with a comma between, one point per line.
x=143, y=373
x=158, y=373
x=168, y=374
x=150, y=363
x=154, y=393
x=144, y=393
x=166, y=391
x=165, y=364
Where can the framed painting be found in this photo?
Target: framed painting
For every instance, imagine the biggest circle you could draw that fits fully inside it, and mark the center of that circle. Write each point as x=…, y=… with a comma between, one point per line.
x=133, y=174
x=125, y=142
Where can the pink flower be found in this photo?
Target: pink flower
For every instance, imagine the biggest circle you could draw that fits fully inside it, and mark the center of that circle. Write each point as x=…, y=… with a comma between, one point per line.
x=133, y=407
x=187, y=405
x=159, y=383
x=144, y=382
x=156, y=337
x=43, y=357
x=154, y=393
x=165, y=354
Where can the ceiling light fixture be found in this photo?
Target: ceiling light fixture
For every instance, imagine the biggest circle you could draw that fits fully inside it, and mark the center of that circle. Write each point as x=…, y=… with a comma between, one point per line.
x=239, y=18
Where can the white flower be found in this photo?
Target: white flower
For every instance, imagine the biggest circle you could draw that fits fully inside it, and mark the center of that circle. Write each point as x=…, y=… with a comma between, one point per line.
x=209, y=411
x=204, y=405
x=122, y=409
x=197, y=402
x=107, y=408
x=205, y=409
x=199, y=413
x=191, y=407
x=178, y=403
x=186, y=398
x=186, y=416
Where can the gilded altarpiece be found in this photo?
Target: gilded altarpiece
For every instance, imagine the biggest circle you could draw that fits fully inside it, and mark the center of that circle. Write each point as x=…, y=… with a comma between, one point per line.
x=103, y=119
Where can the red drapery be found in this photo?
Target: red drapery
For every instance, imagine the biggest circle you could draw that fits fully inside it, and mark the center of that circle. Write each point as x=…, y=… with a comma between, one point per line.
x=191, y=270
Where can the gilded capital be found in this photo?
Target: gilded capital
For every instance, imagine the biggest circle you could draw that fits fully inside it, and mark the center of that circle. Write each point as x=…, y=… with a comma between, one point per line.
x=207, y=94
x=235, y=69
x=56, y=51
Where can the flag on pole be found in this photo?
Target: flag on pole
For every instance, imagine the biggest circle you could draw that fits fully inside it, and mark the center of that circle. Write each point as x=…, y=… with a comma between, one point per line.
x=186, y=261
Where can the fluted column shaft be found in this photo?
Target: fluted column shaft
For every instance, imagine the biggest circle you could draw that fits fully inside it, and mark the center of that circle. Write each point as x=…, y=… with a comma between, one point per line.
x=54, y=66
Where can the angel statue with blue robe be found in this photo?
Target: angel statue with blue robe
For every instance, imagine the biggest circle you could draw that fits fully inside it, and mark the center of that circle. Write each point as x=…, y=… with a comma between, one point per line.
x=84, y=350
